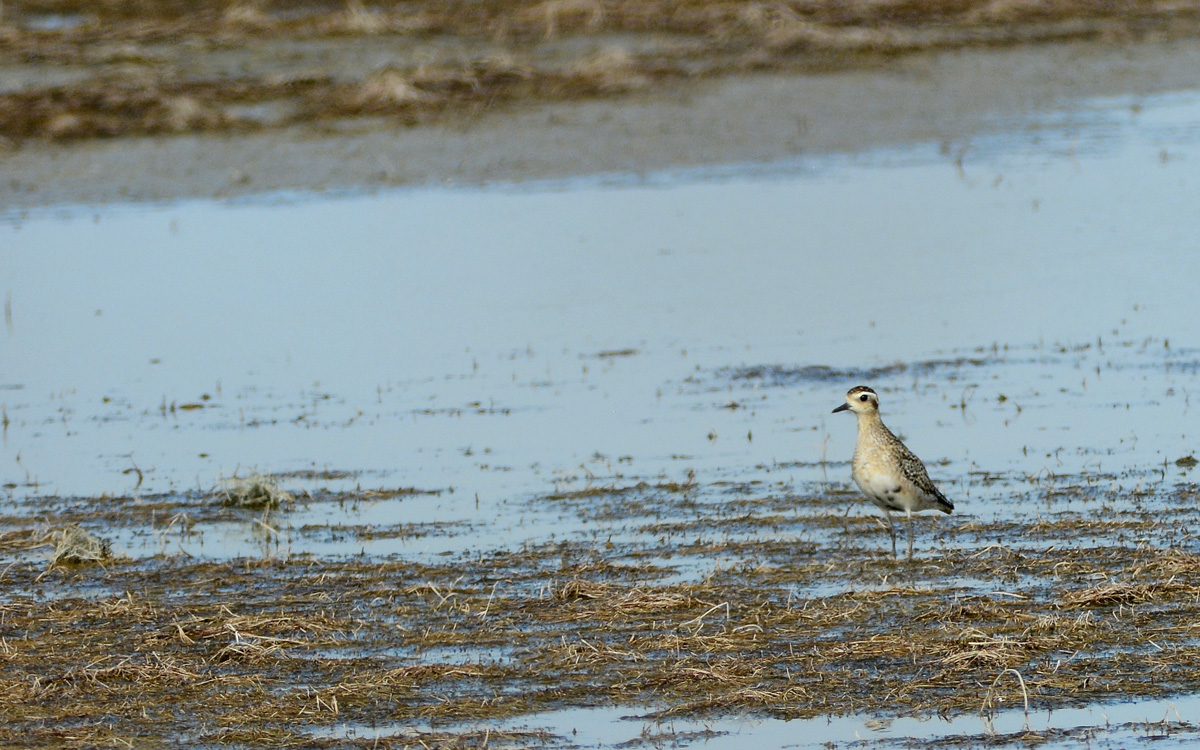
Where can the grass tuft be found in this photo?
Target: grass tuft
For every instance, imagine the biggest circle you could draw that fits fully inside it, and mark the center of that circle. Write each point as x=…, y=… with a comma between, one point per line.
x=256, y=492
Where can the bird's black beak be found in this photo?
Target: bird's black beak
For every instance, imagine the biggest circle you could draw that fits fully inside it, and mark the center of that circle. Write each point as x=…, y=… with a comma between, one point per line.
x=843, y=407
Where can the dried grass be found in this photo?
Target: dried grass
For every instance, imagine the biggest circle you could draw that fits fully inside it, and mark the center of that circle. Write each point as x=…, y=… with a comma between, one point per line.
x=247, y=16
x=784, y=29
x=575, y=15
x=184, y=113
x=357, y=19
x=254, y=491
x=1118, y=594
x=78, y=546
x=740, y=643
x=249, y=651
x=611, y=70
x=23, y=540
x=389, y=88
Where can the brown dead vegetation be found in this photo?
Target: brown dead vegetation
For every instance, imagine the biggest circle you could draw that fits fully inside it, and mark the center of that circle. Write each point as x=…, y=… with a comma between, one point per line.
x=738, y=606
x=272, y=652
x=128, y=68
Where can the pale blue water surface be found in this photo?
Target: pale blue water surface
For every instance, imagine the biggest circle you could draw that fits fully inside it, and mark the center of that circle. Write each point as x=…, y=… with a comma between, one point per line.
x=1160, y=723
x=452, y=338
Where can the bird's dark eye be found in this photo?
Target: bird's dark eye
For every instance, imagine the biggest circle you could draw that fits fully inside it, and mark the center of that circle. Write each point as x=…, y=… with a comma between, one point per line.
x=862, y=397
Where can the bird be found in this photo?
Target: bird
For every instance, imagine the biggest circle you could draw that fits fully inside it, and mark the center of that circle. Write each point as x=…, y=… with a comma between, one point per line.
x=886, y=471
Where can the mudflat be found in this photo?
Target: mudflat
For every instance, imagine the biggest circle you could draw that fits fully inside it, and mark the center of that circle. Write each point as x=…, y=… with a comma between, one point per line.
x=132, y=102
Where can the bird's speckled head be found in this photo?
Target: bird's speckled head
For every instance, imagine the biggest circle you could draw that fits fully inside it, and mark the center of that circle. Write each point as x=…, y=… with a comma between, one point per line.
x=860, y=400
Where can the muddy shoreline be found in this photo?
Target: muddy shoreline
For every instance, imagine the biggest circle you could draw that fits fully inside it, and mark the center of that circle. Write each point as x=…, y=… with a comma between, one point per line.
x=943, y=97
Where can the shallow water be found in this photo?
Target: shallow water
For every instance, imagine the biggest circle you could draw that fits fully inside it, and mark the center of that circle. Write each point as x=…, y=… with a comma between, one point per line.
x=495, y=343
x=1113, y=725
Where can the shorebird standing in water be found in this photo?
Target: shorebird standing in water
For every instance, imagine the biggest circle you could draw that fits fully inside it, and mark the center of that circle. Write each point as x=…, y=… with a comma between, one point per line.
x=887, y=472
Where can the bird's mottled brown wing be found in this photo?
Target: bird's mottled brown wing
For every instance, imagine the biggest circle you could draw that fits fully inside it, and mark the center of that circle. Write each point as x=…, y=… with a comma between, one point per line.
x=914, y=471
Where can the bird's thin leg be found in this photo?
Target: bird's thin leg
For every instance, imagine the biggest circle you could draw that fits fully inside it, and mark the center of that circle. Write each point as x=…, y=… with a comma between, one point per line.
x=910, y=534
x=891, y=529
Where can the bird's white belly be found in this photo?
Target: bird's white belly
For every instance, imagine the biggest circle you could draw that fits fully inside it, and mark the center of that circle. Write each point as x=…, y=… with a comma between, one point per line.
x=885, y=489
